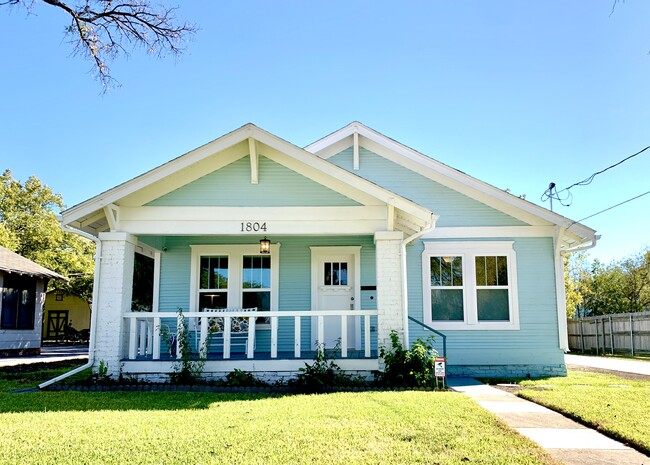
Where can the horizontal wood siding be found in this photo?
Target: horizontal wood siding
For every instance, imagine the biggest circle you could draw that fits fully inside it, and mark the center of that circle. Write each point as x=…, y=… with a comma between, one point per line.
x=295, y=278
x=536, y=342
x=454, y=208
x=231, y=186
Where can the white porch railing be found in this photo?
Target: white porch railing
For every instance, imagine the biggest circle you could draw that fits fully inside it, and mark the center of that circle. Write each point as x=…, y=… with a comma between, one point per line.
x=146, y=329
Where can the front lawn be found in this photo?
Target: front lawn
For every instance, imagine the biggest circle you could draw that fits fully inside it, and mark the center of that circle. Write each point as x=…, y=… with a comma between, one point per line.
x=620, y=407
x=399, y=427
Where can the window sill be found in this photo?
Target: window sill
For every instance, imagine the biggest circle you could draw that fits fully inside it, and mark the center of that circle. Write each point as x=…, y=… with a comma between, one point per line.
x=462, y=326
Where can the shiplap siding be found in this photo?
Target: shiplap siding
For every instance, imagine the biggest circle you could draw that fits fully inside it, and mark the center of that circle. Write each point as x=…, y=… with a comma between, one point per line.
x=231, y=186
x=295, y=278
x=454, y=208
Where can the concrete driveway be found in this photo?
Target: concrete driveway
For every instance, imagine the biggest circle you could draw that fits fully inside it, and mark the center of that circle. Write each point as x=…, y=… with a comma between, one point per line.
x=53, y=353
x=609, y=363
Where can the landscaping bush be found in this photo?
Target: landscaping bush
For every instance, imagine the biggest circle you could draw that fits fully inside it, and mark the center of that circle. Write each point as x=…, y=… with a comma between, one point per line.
x=413, y=367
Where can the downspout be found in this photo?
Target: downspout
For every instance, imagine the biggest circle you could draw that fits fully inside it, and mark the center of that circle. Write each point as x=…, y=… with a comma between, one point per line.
x=563, y=337
x=93, y=315
x=405, y=298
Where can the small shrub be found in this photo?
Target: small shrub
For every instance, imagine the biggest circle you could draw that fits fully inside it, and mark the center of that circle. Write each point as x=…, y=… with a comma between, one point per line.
x=241, y=378
x=323, y=373
x=414, y=367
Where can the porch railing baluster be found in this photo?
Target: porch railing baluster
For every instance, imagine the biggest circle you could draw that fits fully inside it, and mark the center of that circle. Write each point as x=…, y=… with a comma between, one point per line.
x=146, y=332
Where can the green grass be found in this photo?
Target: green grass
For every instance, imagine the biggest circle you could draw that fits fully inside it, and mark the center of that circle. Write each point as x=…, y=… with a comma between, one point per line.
x=619, y=407
x=405, y=427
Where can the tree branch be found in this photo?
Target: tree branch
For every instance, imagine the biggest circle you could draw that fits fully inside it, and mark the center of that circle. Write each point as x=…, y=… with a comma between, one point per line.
x=100, y=30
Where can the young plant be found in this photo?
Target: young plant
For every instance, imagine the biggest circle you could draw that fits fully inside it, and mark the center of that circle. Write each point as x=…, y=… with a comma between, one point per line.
x=187, y=370
x=413, y=367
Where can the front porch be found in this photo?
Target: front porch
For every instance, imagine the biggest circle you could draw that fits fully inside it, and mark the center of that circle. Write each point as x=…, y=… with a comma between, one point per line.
x=254, y=341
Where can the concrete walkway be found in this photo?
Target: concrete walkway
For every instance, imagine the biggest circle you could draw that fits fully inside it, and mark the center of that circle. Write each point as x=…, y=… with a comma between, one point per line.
x=49, y=354
x=609, y=363
x=564, y=439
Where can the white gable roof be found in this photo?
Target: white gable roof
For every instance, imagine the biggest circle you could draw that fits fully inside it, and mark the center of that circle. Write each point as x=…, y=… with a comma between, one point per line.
x=575, y=234
x=91, y=215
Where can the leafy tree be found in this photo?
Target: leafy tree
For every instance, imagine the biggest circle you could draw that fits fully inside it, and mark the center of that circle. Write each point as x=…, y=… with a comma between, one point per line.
x=28, y=226
x=622, y=286
x=100, y=30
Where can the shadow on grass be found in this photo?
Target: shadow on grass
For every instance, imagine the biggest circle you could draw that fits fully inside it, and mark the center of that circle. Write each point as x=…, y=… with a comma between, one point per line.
x=26, y=377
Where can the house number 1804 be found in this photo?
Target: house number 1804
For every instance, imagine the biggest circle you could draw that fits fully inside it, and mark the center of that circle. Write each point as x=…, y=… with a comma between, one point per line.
x=253, y=226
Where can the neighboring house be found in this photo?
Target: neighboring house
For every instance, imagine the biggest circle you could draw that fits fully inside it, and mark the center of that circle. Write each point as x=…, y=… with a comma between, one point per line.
x=365, y=236
x=23, y=284
x=62, y=310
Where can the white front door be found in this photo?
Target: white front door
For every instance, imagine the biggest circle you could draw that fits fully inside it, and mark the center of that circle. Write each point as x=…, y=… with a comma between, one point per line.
x=335, y=287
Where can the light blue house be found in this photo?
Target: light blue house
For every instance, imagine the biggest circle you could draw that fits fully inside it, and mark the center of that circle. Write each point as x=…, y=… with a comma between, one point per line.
x=271, y=250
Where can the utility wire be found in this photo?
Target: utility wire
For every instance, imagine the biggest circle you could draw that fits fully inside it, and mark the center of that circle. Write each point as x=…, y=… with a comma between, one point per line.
x=567, y=199
x=609, y=208
x=587, y=181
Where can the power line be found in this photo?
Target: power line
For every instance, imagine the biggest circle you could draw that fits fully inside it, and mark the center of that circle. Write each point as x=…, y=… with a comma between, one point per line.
x=587, y=181
x=609, y=208
x=552, y=193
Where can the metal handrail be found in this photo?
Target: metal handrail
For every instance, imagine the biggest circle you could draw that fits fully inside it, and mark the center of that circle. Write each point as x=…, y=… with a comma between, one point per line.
x=444, y=338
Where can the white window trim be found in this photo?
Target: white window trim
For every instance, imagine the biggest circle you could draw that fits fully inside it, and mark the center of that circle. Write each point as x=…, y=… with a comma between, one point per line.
x=469, y=250
x=234, y=254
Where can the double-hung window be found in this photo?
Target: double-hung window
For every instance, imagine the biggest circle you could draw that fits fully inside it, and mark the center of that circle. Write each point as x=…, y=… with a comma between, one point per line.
x=234, y=276
x=470, y=285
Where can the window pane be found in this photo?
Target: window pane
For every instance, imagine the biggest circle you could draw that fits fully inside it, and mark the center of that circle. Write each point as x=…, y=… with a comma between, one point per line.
x=502, y=271
x=481, y=279
x=213, y=300
x=493, y=305
x=259, y=299
x=457, y=271
x=490, y=271
x=446, y=271
x=328, y=274
x=343, y=275
x=26, y=307
x=447, y=305
x=9, y=307
x=256, y=273
x=214, y=273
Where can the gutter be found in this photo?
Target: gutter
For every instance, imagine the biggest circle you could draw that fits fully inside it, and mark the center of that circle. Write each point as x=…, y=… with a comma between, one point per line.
x=93, y=315
x=405, y=299
x=581, y=247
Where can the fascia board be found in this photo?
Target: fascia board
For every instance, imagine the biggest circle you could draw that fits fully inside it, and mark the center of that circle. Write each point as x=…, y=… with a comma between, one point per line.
x=519, y=208
x=156, y=174
x=363, y=185
x=182, y=162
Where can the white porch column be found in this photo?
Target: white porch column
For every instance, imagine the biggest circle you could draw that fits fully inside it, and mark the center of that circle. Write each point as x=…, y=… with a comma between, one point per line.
x=115, y=289
x=389, y=286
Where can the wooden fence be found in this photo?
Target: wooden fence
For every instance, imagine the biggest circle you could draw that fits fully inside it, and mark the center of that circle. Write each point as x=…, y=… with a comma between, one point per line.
x=621, y=332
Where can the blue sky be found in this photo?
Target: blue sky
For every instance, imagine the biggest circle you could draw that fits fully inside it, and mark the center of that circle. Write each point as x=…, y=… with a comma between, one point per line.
x=517, y=94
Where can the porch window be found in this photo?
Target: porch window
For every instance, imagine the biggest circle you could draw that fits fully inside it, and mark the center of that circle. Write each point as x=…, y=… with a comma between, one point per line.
x=256, y=283
x=234, y=276
x=18, y=302
x=213, y=287
x=470, y=285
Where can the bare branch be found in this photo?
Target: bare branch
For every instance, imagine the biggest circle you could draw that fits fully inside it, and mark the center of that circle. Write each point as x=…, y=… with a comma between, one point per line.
x=101, y=30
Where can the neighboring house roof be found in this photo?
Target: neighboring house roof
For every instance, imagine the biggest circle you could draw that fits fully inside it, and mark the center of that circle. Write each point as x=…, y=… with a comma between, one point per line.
x=11, y=262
